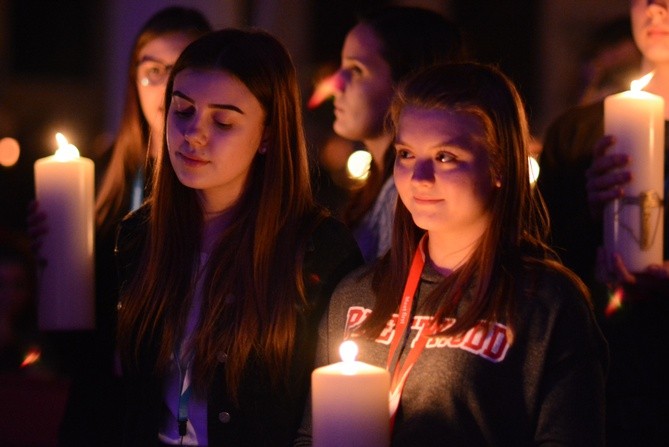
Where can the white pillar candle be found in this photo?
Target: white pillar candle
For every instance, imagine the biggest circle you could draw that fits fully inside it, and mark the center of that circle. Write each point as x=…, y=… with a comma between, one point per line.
x=64, y=188
x=634, y=225
x=350, y=403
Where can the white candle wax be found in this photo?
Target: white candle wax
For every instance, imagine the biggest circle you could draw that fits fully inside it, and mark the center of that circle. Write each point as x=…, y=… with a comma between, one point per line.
x=350, y=405
x=64, y=188
x=634, y=225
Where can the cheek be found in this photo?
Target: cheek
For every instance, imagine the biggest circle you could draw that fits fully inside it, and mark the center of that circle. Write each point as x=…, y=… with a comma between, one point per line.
x=402, y=177
x=173, y=133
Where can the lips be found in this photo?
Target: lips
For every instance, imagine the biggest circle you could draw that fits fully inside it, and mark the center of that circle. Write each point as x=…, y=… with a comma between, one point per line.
x=190, y=160
x=657, y=32
x=427, y=200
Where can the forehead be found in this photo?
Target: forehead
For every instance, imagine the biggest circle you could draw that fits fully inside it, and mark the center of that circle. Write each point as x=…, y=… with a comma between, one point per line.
x=215, y=87
x=166, y=47
x=439, y=126
x=363, y=44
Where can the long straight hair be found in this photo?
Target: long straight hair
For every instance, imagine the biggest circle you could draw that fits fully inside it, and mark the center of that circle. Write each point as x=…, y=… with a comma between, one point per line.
x=519, y=222
x=129, y=152
x=254, y=284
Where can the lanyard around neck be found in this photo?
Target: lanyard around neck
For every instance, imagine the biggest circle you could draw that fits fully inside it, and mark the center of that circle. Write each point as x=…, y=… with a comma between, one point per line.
x=401, y=372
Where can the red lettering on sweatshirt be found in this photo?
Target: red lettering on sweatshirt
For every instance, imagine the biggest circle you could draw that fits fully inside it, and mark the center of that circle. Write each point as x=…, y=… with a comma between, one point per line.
x=488, y=340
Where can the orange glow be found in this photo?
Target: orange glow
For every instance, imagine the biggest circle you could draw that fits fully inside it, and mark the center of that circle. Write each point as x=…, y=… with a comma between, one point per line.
x=9, y=152
x=31, y=357
x=324, y=90
x=615, y=301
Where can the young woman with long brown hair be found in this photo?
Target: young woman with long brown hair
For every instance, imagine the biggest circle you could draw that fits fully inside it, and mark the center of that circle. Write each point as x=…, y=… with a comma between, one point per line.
x=230, y=264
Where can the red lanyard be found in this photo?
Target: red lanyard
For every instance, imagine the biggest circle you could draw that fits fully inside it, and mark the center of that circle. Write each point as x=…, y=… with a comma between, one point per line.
x=401, y=372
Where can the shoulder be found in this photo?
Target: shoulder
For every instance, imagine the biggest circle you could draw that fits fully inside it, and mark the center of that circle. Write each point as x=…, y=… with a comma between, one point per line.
x=554, y=288
x=355, y=287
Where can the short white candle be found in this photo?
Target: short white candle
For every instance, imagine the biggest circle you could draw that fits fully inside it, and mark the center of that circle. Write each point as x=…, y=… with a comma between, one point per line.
x=634, y=225
x=64, y=188
x=350, y=403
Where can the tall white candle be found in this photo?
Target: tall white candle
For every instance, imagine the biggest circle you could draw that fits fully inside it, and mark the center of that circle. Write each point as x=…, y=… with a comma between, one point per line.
x=634, y=225
x=350, y=403
x=64, y=188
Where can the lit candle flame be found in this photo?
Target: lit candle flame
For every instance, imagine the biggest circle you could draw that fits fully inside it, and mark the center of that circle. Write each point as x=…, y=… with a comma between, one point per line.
x=348, y=350
x=31, y=357
x=639, y=84
x=65, y=151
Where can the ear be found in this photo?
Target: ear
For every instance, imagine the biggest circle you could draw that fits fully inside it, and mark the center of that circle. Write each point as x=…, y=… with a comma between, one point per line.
x=264, y=141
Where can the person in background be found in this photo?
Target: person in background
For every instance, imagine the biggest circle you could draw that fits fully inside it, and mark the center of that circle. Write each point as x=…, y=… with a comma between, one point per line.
x=18, y=302
x=611, y=60
x=581, y=173
x=499, y=344
x=385, y=46
x=227, y=268
x=123, y=173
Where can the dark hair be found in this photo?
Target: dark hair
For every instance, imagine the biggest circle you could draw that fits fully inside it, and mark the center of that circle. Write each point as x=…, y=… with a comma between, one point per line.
x=129, y=152
x=411, y=39
x=258, y=257
x=519, y=219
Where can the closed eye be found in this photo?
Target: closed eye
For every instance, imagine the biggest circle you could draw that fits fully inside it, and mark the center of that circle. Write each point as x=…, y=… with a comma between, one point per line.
x=183, y=112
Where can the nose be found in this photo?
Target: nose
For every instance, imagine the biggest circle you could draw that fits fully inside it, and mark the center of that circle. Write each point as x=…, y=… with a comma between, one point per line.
x=194, y=134
x=339, y=80
x=423, y=171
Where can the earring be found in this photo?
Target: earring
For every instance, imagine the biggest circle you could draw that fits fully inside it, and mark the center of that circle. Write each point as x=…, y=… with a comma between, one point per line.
x=498, y=183
x=262, y=150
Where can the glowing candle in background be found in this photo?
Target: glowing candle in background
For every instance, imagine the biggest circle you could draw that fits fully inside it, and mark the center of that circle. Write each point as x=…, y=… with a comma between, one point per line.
x=633, y=225
x=64, y=188
x=350, y=403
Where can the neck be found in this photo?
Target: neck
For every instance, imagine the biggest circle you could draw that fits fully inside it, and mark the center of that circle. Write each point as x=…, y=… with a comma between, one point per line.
x=449, y=251
x=377, y=147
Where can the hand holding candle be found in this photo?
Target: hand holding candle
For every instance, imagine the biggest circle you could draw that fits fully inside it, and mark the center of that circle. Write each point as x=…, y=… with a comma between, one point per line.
x=350, y=403
x=64, y=189
x=633, y=225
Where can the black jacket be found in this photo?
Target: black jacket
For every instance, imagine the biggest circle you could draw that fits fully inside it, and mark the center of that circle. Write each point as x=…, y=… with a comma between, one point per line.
x=263, y=418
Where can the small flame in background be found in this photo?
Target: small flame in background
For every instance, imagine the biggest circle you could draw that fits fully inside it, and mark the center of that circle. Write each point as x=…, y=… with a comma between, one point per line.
x=32, y=357
x=325, y=89
x=638, y=84
x=615, y=301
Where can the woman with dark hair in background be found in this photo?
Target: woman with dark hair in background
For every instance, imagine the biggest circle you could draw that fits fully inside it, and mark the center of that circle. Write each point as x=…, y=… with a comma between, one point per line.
x=378, y=52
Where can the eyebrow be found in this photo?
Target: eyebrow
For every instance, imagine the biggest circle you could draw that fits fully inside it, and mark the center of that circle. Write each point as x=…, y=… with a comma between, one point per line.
x=149, y=58
x=214, y=106
x=461, y=142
